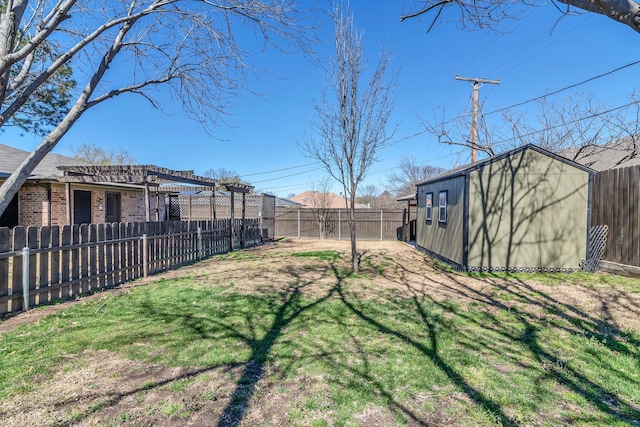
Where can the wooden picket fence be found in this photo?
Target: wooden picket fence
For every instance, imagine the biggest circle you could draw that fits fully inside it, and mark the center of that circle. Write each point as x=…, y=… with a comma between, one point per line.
x=40, y=265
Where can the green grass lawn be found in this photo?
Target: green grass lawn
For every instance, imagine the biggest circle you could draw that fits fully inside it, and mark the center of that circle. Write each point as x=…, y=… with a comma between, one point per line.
x=340, y=357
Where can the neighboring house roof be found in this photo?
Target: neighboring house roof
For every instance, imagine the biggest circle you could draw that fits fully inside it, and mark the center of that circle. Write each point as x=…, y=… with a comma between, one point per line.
x=10, y=159
x=309, y=199
x=56, y=167
x=614, y=154
x=286, y=202
x=463, y=170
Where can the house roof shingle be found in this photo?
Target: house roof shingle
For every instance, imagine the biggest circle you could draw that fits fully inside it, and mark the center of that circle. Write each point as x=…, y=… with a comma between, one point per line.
x=10, y=159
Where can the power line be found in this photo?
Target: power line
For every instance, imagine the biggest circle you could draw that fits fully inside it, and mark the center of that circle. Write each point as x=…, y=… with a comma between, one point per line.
x=280, y=170
x=565, y=88
x=399, y=140
x=555, y=92
x=529, y=57
x=591, y=116
x=287, y=176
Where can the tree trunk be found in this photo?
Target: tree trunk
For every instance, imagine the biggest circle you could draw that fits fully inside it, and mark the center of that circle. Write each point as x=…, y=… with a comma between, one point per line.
x=352, y=230
x=11, y=186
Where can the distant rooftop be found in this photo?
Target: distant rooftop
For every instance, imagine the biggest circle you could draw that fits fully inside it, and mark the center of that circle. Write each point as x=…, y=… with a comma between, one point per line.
x=615, y=154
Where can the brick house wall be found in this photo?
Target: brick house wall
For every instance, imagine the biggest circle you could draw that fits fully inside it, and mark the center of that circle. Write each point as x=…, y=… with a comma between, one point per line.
x=33, y=204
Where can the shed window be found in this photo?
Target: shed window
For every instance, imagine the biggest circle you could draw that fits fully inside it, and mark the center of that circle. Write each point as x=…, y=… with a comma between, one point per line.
x=442, y=207
x=429, y=206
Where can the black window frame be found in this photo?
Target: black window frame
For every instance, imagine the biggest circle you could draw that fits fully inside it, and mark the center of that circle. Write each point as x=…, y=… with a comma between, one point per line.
x=428, y=215
x=443, y=208
x=82, y=206
x=118, y=197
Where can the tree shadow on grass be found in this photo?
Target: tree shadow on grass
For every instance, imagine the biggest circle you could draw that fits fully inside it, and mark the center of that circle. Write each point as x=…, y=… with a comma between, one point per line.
x=284, y=308
x=565, y=318
x=291, y=308
x=431, y=351
x=263, y=324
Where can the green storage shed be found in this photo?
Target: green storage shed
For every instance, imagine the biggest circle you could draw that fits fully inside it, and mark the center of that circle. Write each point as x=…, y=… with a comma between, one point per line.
x=524, y=210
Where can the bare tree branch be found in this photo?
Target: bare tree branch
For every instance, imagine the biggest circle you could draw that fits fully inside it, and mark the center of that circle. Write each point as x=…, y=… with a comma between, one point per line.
x=321, y=203
x=403, y=181
x=351, y=117
x=490, y=14
x=189, y=46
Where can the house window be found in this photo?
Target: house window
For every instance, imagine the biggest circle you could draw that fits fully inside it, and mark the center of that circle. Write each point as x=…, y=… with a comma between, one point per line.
x=81, y=207
x=429, y=206
x=112, y=211
x=442, y=207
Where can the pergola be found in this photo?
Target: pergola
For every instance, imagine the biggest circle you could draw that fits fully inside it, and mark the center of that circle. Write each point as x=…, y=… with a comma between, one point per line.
x=147, y=176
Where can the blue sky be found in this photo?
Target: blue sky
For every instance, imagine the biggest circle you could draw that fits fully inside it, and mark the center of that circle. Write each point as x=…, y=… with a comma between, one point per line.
x=260, y=143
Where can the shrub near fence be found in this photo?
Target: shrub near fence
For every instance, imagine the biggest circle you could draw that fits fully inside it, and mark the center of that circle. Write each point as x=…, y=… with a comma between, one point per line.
x=371, y=224
x=40, y=265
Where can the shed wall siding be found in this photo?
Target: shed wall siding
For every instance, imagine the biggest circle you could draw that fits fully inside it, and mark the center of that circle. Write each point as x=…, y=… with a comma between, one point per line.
x=527, y=211
x=442, y=239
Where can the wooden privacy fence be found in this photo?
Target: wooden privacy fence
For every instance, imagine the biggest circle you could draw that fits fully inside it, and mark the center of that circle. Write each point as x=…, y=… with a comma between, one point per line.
x=40, y=265
x=616, y=204
x=371, y=224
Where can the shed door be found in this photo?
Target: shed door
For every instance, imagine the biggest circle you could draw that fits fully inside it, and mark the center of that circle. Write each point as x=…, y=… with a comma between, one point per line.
x=112, y=207
x=81, y=207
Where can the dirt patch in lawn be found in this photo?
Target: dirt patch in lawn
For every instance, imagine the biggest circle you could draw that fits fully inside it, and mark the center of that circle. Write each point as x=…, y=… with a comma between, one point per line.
x=397, y=268
x=100, y=387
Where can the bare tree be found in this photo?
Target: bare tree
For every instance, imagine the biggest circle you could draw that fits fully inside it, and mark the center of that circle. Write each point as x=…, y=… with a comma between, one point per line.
x=386, y=200
x=368, y=195
x=352, y=115
x=573, y=126
x=190, y=47
x=224, y=175
x=321, y=203
x=403, y=181
x=490, y=14
x=92, y=154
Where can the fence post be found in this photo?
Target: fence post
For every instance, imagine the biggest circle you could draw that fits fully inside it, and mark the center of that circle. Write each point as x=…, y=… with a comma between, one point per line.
x=145, y=256
x=380, y=224
x=298, y=223
x=25, y=278
x=339, y=226
x=200, y=256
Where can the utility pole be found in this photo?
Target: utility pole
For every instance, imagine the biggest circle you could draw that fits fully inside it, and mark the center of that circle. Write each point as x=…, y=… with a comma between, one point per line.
x=474, y=119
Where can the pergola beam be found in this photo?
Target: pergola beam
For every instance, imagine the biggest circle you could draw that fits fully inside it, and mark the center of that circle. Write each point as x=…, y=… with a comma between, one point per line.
x=92, y=179
x=237, y=188
x=132, y=174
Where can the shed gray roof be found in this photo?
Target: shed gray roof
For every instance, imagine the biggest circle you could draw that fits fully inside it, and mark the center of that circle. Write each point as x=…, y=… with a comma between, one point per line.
x=10, y=159
x=407, y=198
x=463, y=170
x=614, y=154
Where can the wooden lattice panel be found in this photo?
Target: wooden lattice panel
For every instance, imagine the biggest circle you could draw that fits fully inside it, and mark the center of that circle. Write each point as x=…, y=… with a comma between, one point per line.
x=596, y=246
